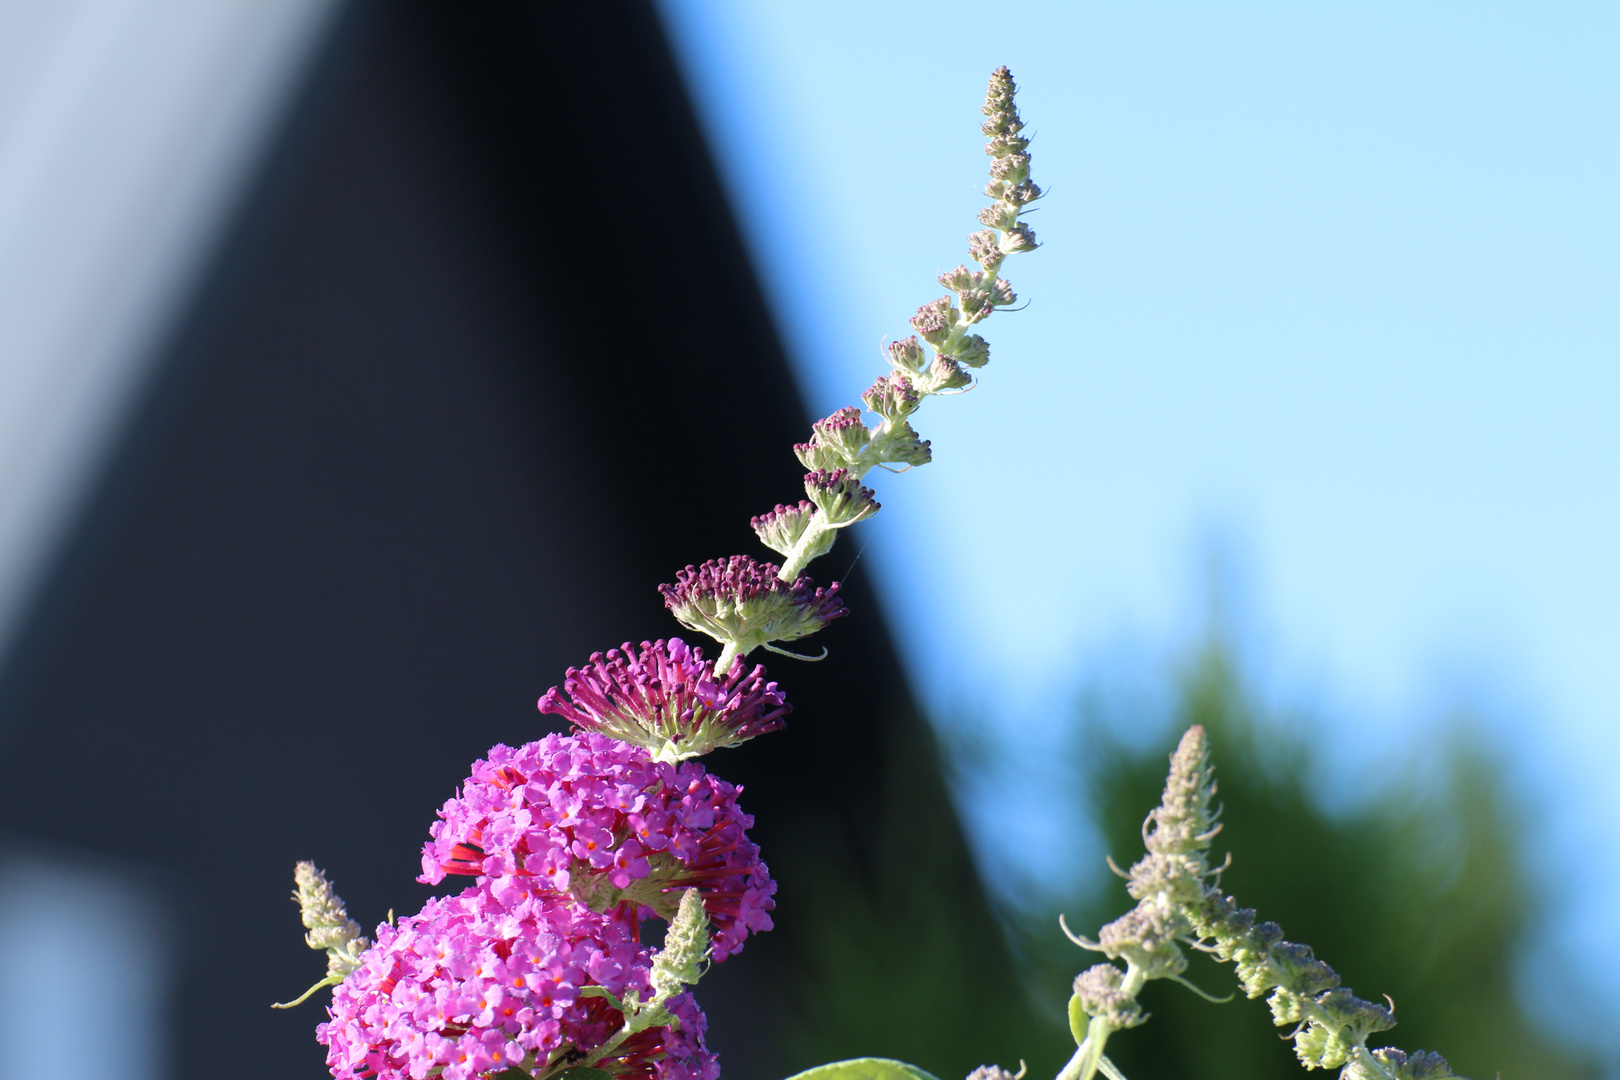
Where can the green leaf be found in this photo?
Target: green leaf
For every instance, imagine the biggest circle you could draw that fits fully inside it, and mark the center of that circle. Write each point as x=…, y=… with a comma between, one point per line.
x=1079, y=1022
x=865, y=1069
x=580, y=1072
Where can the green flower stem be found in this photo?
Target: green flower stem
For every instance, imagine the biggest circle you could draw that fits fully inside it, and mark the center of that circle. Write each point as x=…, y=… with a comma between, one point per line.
x=727, y=656
x=804, y=550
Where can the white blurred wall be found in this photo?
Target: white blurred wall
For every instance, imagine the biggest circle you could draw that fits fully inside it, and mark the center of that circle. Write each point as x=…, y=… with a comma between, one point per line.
x=126, y=128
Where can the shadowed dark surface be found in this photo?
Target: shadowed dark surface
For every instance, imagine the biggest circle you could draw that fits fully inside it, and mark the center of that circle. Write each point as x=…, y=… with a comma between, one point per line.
x=481, y=363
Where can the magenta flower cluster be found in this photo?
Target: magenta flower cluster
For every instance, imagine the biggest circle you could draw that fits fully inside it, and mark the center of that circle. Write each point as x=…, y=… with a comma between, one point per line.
x=667, y=693
x=472, y=985
x=573, y=841
x=592, y=818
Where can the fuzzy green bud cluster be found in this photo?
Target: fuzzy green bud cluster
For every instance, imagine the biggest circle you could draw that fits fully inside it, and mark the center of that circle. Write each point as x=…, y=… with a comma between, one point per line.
x=330, y=928
x=938, y=358
x=731, y=600
x=681, y=961
x=679, y=964
x=1180, y=903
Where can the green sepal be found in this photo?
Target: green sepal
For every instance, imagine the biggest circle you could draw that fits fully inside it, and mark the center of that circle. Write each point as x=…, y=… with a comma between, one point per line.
x=1079, y=1022
x=865, y=1069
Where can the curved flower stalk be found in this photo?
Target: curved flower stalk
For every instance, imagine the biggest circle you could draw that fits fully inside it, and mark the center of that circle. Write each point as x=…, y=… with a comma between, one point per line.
x=1180, y=903
x=731, y=600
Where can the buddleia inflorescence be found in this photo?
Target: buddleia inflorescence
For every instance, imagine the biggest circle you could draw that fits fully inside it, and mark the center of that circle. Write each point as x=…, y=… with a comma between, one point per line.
x=1180, y=905
x=572, y=842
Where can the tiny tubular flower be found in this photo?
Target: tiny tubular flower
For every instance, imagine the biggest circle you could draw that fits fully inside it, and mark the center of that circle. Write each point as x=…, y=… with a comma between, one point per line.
x=668, y=700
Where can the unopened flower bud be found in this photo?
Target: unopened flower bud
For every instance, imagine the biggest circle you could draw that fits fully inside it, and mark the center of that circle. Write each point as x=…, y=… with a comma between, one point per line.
x=1000, y=112
x=933, y=320
x=999, y=215
x=330, y=929
x=1305, y=973
x=1322, y=1047
x=960, y=279
x=844, y=432
x=1002, y=144
x=976, y=305
x=944, y=374
x=993, y=1072
x=906, y=354
x=1023, y=194
x=984, y=247
x=900, y=445
x=1019, y=238
x=842, y=499
x=1001, y=290
x=1101, y=994
x=814, y=455
x=1423, y=1065
x=324, y=915
x=781, y=528
x=1010, y=170
x=973, y=351
x=893, y=396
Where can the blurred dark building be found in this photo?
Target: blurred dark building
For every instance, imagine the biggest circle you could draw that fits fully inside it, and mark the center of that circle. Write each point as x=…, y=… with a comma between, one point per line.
x=480, y=363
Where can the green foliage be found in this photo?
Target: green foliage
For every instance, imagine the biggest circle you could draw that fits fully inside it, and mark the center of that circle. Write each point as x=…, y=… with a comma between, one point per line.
x=865, y=1069
x=1419, y=896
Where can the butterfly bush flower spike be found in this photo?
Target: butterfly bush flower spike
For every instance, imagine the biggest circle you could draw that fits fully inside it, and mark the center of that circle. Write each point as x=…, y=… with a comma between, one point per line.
x=330, y=928
x=1180, y=903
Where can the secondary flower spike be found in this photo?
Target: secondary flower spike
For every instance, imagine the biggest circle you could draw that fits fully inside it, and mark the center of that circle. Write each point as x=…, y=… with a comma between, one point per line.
x=668, y=700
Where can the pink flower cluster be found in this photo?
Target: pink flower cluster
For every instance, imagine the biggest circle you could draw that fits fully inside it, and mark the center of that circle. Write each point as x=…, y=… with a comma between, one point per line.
x=592, y=818
x=472, y=985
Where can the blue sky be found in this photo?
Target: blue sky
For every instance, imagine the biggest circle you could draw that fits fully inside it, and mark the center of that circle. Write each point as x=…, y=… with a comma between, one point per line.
x=1329, y=287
